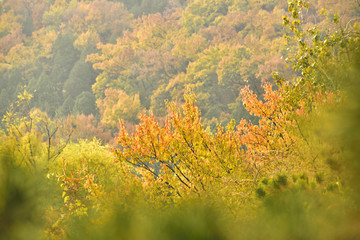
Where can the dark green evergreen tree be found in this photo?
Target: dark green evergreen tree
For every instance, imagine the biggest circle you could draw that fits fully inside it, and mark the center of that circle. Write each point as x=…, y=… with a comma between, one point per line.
x=85, y=104
x=28, y=27
x=45, y=95
x=65, y=56
x=80, y=79
x=14, y=80
x=153, y=6
x=67, y=106
x=4, y=102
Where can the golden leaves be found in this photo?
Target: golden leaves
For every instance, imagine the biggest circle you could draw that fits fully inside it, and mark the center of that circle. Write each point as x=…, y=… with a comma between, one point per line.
x=118, y=105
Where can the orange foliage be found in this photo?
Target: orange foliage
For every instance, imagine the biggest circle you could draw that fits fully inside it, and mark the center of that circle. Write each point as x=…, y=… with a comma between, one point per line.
x=86, y=127
x=192, y=160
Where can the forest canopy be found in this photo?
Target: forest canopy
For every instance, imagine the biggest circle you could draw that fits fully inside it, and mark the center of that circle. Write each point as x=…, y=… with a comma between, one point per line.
x=169, y=119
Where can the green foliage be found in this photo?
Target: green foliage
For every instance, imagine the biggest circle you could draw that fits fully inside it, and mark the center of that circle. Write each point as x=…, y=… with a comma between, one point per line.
x=151, y=6
x=65, y=56
x=191, y=221
x=298, y=215
x=80, y=79
x=118, y=105
x=320, y=55
x=10, y=80
x=67, y=107
x=85, y=104
x=22, y=200
x=45, y=95
x=91, y=184
x=203, y=13
x=347, y=134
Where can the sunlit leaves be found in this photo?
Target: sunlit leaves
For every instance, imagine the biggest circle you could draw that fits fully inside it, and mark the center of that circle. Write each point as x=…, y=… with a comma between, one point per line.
x=118, y=105
x=185, y=159
x=20, y=56
x=202, y=13
x=319, y=55
x=87, y=39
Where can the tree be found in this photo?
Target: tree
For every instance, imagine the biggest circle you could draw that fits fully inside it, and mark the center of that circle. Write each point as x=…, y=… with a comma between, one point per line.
x=46, y=97
x=80, y=79
x=118, y=105
x=25, y=131
x=65, y=56
x=67, y=107
x=194, y=162
x=152, y=6
x=203, y=13
x=85, y=104
x=319, y=56
x=202, y=76
x=85, y=127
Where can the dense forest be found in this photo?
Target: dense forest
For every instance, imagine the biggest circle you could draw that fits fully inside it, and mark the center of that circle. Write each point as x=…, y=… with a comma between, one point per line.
x=179, y=119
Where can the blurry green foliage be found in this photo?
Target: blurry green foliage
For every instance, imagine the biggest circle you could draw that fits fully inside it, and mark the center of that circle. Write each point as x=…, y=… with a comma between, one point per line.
x=21, y=209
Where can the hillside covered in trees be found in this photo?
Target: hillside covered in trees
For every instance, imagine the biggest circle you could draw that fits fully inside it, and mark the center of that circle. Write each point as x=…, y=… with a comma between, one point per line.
x=97, y=58
x=170, y=119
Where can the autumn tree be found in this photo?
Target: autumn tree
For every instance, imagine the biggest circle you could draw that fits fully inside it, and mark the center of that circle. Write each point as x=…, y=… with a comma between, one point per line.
x=194, y=162
x=118, y=105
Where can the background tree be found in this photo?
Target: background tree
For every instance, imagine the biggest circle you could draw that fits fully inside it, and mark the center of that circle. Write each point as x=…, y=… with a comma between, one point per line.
x=85, y=104
x=80, y=79
x=118, y=105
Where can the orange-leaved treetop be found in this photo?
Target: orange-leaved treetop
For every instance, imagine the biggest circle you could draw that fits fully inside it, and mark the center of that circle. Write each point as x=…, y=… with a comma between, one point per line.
x=182, y=159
